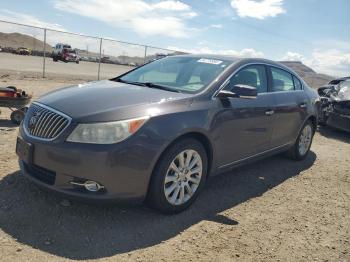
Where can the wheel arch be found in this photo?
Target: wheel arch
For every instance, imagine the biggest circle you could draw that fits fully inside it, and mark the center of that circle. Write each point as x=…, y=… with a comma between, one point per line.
x=200, y=137
x=204, y=140
x=313, y=120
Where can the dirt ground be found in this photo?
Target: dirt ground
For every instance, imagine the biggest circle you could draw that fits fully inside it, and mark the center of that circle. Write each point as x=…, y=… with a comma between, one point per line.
x=272, y=210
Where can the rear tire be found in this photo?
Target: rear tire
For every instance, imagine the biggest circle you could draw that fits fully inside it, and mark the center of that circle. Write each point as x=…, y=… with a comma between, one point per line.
x=302, y=145
x=17, y=116
x=179, y=177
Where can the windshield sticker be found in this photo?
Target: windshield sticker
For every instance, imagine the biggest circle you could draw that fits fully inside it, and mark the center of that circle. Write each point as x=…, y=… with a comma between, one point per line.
x=210, y=61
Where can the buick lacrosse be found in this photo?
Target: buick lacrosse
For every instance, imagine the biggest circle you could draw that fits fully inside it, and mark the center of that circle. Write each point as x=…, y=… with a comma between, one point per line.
x=156, y=133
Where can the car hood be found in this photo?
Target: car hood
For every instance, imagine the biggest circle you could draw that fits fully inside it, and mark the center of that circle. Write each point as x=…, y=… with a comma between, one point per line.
x=107, y=100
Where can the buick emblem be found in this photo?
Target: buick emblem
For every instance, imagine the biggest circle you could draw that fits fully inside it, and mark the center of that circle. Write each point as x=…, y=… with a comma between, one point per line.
x=33, y=120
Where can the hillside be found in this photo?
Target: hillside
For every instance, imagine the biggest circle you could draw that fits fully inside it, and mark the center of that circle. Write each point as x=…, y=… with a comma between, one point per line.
x=16, y=40
x=312, y=78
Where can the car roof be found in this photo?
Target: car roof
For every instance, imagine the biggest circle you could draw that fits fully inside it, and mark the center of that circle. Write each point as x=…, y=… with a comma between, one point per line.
x=243, y=60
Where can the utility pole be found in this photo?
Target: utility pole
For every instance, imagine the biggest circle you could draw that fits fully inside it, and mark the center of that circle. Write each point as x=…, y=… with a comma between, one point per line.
x=44, y=59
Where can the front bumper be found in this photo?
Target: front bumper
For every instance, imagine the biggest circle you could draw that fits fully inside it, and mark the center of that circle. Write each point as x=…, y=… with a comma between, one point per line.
x=339, y=121
x=124, y=169
x=71, y=59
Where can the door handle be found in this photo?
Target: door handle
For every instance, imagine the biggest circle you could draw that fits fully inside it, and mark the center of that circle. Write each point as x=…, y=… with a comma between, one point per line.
x=302, y=105
x=269, y=112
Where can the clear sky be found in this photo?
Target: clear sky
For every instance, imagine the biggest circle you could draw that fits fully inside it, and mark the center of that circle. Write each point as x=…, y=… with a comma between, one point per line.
x=314, y=31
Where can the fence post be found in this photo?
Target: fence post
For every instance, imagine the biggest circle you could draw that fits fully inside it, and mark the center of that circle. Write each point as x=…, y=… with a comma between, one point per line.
x=44, y=58
x=144, y=59
x=99, y=61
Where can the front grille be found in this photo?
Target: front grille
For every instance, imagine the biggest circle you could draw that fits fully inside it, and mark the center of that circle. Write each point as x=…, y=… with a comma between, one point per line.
x=44, y=175
x=44, y=122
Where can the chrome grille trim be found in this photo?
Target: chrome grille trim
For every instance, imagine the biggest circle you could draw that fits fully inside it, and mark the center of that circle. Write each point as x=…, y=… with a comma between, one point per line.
x=49, y=125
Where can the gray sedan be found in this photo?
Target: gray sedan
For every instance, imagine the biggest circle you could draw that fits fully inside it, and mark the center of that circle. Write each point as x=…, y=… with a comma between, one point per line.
x=158, y=132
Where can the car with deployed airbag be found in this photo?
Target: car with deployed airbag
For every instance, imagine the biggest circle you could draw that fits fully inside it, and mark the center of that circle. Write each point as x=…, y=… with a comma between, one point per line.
x=156, y=133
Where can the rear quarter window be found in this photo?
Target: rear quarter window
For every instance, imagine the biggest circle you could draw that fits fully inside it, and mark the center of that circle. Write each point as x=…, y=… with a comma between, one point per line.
x=297, y=84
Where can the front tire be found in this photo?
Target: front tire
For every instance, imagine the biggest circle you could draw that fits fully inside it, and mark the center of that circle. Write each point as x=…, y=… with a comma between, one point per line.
x=179, y=176
x=302, y=145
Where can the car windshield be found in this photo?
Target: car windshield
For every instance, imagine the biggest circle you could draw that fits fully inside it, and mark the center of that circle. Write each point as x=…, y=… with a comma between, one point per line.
x=71, y=51
x=179, y=74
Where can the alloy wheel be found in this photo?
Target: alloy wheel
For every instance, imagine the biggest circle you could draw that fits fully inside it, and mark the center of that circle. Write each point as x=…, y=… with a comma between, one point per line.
x=183, y=177
x=305, y=140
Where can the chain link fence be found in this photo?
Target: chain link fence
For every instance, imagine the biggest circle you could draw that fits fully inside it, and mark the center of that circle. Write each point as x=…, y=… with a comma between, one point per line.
x=26, y=49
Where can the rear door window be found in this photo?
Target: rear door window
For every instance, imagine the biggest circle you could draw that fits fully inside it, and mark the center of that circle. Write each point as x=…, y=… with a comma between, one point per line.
x=281, y=80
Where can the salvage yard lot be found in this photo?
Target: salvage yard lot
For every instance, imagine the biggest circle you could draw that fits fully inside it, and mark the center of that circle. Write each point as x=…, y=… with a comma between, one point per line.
x=275, y=209
x=23, y=65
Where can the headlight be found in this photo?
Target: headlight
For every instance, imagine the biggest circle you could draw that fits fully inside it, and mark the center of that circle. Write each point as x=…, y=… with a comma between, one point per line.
x=107, y=132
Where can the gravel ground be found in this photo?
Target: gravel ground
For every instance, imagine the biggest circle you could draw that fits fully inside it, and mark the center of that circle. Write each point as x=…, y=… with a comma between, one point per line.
x=19, y=66
x=272, y=210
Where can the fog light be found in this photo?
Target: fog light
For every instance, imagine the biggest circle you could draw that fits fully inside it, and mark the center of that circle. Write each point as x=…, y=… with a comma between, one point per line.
x=92, y=186
x=89, y=185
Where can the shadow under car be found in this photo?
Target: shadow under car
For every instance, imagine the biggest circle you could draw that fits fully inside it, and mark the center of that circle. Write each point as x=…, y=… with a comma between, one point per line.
x=80, y=231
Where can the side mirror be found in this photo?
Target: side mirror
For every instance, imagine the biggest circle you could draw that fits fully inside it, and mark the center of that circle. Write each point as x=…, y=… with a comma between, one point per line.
x=226, y=94
x=239, y=91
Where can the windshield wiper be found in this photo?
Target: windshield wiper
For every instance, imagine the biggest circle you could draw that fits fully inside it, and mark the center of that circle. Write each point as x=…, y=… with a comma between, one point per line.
x=148, y=84
x=130, y=82
x=152, y=85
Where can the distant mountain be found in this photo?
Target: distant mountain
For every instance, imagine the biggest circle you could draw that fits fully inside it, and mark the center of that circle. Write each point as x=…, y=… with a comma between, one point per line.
x=312, y=78
x=16, y=40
